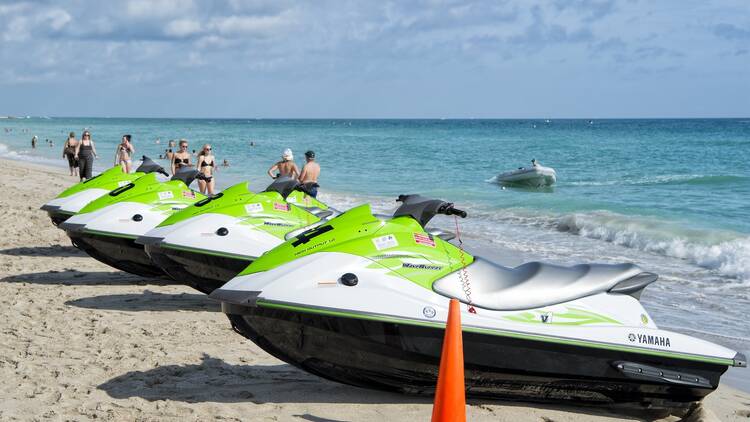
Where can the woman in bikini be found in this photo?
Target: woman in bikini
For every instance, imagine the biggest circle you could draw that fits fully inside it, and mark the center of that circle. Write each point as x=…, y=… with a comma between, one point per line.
x=285, y=167
x=85, y=154
x=69, y=152
x=181, y=158
x=207, y=166
x=124, y=153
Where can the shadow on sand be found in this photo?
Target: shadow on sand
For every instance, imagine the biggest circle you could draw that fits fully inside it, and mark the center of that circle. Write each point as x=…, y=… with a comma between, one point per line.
x=149, y=301
x=214, y=380
x=70, y=277
x=54, y=250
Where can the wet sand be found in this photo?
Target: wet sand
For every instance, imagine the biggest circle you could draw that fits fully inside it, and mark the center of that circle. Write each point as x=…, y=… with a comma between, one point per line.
x=82, y=341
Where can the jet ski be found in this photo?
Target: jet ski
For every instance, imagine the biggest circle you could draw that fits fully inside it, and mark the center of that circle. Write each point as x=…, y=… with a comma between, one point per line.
x=106, y=228
x=364, y=300
x=536, y=176
x=71, y=200
x=210, y=242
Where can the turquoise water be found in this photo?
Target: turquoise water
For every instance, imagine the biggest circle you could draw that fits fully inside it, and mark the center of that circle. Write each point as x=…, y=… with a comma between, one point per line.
x=670, y=195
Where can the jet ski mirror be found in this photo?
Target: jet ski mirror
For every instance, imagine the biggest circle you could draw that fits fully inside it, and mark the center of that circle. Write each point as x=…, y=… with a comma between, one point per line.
x=423, y=209
x=149, y=166
x=187, y=175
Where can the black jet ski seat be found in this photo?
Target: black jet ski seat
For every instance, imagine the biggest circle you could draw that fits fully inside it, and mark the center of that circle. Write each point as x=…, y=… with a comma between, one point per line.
x=536, y=284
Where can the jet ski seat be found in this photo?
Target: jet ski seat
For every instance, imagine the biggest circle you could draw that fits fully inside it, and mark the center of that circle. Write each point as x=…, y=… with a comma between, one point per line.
x=535, y=284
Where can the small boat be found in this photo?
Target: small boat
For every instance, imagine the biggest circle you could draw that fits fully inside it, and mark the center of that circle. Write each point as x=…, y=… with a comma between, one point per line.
x=535, y=175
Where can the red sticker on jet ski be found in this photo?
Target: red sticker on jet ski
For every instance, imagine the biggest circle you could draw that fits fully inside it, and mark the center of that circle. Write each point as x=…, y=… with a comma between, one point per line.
x=281, y=207
x=424, y=239
x=188, y=194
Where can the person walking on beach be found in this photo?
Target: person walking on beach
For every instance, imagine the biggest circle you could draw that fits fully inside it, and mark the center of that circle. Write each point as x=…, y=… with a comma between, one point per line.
x=33, y=142
x=124, y=153
x=85, y=154
x=69, y=152
x=285, y=167
x=310, y=173
x=170, y=150
x=181, y=158
x=207, y=166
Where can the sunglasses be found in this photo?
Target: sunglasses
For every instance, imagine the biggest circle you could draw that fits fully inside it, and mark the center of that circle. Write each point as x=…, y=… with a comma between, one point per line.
x=207, y=149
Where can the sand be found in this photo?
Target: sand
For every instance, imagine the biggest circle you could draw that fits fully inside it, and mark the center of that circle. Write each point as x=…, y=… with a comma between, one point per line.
x=82, y=341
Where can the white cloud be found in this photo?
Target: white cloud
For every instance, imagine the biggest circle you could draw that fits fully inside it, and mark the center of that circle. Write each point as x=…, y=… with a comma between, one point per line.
x=183, y=28
x=158, y=8
x=250, y=25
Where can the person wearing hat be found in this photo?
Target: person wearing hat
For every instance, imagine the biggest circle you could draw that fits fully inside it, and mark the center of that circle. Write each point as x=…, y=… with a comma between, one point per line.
x=285, y=167
x=310, y=172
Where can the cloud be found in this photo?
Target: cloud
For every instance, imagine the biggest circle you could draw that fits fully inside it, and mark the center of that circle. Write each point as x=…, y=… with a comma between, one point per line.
x=182, y=28
x=731, y=32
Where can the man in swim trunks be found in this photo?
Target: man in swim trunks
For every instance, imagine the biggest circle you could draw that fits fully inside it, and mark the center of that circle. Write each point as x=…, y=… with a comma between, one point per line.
x=310, y=172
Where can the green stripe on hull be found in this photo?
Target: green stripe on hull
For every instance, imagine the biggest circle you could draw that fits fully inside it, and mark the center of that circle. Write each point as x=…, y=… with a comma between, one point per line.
x=206, y=252
x=502, y=333
x=109, y=234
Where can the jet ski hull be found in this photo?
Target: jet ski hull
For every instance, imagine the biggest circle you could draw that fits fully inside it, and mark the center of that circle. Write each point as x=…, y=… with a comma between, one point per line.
x=118, y=252
x=200, y=271
x=58, y=217
x=405, y=358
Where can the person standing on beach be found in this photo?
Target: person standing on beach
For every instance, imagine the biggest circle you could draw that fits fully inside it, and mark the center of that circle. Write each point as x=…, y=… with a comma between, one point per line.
x=33, y=142
x=285, y=167
x=181, y=158
x=69, y=152
x=206, y=165
x=124, y=153
x=85, y=154
x=310, y=173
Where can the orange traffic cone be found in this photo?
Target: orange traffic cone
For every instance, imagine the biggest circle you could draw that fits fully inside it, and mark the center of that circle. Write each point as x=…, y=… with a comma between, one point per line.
x=450, y=396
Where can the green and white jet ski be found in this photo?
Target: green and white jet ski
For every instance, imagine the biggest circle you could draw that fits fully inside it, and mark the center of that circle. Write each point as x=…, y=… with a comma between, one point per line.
x=210, y=242
x=106, y=228
x=71, y=200
x=363, y=300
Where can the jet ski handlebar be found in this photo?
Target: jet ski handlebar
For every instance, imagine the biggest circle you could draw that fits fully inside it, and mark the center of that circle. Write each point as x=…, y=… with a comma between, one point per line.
x=423, y=209
x=451, y=210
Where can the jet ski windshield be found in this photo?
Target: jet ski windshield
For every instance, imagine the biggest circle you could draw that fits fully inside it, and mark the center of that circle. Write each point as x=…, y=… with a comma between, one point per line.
x=423, y=209
x=187, y=175
x=149, y=166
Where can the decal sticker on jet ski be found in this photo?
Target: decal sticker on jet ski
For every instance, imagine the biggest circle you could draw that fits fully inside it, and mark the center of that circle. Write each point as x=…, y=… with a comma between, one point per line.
x=281, y=207
x=571, y=316
x=188, y=194
x=424, y=239
x=291, y=199
x=650, y=340
x=270, y=223
x=385, y=242
x=166, y=194
x=122, y=183
x=253, y=208
x=429, y=312
x=422, y=266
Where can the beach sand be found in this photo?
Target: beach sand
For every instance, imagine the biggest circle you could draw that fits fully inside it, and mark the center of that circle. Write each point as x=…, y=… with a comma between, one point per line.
x=83, y=341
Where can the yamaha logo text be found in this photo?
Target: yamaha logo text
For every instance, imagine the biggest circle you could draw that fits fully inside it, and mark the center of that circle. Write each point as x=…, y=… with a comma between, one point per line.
x=650, y=340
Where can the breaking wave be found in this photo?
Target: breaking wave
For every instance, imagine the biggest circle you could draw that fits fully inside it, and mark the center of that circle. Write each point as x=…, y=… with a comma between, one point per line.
x=726, y=252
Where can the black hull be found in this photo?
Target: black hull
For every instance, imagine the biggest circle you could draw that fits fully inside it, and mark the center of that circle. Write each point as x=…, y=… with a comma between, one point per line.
x=58, y=218
x=120, y=253
x=202, y=272
x=405, y=358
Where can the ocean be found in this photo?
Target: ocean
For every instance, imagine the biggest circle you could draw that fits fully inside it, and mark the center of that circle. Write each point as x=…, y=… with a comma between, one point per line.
x=672, y=195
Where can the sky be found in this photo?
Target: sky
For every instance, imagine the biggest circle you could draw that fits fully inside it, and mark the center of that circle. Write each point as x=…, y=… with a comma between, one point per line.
x=370, y=59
